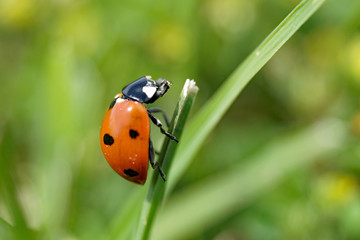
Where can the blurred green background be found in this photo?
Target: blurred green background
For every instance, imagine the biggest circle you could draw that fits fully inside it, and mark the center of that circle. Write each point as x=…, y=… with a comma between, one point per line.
x=61, y=63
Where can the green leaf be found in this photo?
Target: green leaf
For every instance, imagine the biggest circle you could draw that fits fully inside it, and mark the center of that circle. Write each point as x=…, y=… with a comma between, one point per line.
x=124, y=221
x=6, y=230
x=193, y=210
x=204, y=122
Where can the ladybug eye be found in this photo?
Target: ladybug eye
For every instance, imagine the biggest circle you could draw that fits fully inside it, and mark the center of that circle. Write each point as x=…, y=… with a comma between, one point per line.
x=108, y=140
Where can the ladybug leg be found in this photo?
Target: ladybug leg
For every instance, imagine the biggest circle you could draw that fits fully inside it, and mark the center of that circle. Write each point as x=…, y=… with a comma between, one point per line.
x=157, y=110
x=159, y=125
x=155, y=165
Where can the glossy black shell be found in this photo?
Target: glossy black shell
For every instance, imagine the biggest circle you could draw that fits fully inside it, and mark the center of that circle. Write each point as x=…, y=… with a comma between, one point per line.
x=135, y=91
x=145, y=90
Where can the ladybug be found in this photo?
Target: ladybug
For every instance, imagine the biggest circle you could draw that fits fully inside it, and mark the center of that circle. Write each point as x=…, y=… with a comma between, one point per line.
x=125, y=130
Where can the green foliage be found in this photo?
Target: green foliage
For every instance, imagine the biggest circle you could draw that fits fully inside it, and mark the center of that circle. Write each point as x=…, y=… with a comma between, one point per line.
x=281, y=164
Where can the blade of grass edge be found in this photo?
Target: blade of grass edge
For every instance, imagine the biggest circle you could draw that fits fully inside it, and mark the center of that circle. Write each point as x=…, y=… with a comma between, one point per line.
x=231, y=190
x=204, y=122
x=157, y=186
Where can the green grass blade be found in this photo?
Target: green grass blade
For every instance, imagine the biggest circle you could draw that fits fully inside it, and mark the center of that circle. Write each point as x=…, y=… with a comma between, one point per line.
x=193, y=210
x=157, y=186
x=6, y=230
x=124, y=221
x=206, y=120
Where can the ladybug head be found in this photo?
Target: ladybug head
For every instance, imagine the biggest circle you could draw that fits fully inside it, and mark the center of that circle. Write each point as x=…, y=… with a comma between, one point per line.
x=146, y=90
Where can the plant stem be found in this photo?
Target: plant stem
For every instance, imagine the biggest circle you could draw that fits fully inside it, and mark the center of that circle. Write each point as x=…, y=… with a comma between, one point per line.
x=157, y=186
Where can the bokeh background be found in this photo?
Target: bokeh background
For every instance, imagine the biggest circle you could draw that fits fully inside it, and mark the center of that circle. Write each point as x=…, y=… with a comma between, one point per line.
x=61, y=63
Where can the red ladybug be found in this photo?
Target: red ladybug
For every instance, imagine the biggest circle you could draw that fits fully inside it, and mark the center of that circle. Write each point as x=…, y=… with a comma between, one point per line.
x=125, y=130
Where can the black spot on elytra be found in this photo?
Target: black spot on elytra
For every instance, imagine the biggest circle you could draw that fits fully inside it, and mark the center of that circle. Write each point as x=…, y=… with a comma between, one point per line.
x=133, y=133
x=131, y=173
x=112, y=103
x=108, y=140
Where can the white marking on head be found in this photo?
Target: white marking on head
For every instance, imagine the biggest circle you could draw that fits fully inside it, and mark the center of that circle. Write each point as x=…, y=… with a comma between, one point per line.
x=149, y=91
